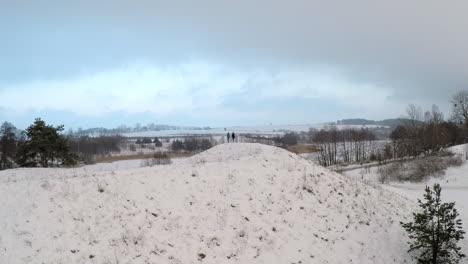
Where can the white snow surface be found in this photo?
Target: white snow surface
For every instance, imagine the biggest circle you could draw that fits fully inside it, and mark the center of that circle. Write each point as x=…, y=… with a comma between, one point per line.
x=459, y=149
x=235, y=203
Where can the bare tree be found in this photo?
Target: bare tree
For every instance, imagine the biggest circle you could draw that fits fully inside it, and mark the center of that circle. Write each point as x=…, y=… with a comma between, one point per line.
x=415, y=114
x=435, y=116
x=348, y=145
x=138, y=127
x=327, y=139
x=413, y=139
x=460, y=107
x=7, y=145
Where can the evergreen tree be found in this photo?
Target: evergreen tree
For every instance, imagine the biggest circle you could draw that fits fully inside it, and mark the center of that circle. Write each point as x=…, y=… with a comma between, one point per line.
x=146, y=141
x=45, y=147
x=157, y=143
x=290, y=139
x=436, y=230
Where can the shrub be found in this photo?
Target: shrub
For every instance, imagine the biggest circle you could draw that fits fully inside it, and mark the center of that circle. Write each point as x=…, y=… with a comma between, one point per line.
x=95, y=146
x=159, y=158
x=86, y=158
x=290, y=138
x=434, y=166
x=205, y=144
x=418, y=169
x=132, y=147
x=151, y=147
x=191, y=144
x=387, y=151
x=177, y=145
x=454, y=161
x=389, y=172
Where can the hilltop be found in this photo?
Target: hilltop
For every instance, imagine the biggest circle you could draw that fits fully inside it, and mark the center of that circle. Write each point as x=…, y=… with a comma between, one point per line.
x=235, y=203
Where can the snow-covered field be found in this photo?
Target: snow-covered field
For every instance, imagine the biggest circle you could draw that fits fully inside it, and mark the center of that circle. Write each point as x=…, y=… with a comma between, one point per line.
x=235, y=203
x=262, y=130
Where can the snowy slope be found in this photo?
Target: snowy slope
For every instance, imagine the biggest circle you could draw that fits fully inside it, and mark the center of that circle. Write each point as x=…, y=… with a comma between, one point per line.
x=459, y=149
x=454, y=185
x=235, y=203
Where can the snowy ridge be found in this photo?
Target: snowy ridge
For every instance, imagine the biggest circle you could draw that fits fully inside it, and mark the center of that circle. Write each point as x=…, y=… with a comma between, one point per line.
x=235, y=203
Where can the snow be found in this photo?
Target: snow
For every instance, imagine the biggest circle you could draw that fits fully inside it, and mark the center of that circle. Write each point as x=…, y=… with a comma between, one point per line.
x=454, y=189
x=235, y=203
x=459, y=149
x=454, y=185
x=260, y=130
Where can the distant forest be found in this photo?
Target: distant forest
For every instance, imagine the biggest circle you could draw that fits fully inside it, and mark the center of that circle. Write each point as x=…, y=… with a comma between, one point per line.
x=392, y=123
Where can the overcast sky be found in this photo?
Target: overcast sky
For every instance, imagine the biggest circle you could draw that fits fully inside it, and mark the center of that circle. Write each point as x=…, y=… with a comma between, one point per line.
x=219, y=63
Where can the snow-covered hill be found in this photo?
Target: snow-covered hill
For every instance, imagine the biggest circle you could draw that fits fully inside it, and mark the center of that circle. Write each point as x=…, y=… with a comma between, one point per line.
x=235, y=203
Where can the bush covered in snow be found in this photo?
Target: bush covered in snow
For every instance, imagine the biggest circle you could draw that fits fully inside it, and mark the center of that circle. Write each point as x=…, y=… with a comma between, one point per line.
x=418, y=169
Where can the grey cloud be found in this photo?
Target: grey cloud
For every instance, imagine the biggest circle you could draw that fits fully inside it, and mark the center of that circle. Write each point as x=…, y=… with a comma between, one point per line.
x=418, y=48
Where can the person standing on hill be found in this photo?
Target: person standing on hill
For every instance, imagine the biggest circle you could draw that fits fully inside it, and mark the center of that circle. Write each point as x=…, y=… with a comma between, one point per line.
x=233, y=137
x=228, y=136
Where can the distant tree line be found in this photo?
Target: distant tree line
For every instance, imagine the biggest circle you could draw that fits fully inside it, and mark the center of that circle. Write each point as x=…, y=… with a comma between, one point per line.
x=90, y=147
x=45, y=146
x=420, y=133
x=145, y=141
x=425, y=133
x=392, y=123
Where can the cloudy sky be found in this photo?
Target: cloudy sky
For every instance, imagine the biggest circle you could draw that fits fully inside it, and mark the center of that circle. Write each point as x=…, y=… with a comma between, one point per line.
x=219, y=63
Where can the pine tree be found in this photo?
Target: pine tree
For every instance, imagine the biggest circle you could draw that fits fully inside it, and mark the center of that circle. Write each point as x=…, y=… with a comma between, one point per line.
x=45, y=147
x=436, y=230
x=157, y=143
